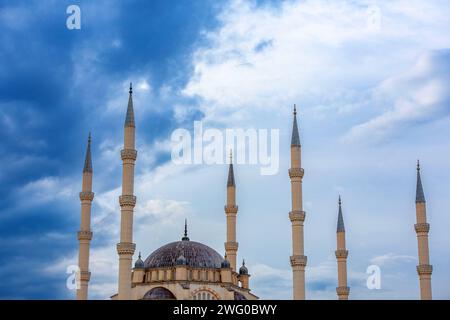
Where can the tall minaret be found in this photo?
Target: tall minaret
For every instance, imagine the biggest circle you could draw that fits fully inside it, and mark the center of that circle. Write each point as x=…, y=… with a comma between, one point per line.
x=85, y=233
x=127, y=201
x=231, y=209
x=297, y=215
x=341, y=256
x=424, y=269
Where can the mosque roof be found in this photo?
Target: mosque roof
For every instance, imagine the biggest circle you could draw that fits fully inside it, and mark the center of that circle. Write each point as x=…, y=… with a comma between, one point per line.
x=197, y=255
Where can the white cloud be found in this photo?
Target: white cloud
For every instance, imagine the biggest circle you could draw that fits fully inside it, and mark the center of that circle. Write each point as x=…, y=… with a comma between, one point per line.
x=311, y=55
x=392, y=258
x=417, y=95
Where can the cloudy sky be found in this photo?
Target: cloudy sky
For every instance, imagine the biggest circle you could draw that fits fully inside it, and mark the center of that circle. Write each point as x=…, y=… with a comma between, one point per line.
x=371, y=81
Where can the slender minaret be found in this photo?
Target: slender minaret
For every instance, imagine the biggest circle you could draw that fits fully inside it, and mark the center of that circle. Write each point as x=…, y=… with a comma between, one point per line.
x=85, y=233
x=127, y=201
x=424, y=269
x=231, y=209
x=341, y=256
x=297, y=215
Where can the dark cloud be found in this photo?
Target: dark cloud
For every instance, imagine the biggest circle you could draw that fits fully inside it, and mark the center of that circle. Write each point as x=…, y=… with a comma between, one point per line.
x=54, y=84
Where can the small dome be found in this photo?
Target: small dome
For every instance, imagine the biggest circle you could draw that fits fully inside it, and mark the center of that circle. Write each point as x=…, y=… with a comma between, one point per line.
x=225, y=263
x=139, y=264
x=181, y=261
x=243, y=269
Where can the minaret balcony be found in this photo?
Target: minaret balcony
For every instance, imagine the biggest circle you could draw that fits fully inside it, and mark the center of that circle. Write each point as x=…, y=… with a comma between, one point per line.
x=85, y=276
x=297, y=216
x=86, y=196
x=127, y=200
x=343, y=291
x=422, y=227
x=231, y=246
x=341, y=253
x=126, y=248
x=424, y=269
x=299, y=260
x=84, y=235
x=296, y=172
x=128, y=154
x=231, y=209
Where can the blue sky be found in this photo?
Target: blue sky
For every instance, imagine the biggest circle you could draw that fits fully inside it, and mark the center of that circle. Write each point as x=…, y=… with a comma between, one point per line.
x=371, y=81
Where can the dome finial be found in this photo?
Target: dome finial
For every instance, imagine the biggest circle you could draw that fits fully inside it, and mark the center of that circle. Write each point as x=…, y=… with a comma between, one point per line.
x=185, y=238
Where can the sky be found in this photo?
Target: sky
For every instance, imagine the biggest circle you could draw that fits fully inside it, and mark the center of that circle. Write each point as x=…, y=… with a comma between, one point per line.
x=371, y=83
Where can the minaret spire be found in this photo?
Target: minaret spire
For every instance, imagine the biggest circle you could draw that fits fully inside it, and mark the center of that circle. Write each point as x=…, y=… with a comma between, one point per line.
x=420, y=197
x=231, y=209
x=424, y=269
x=230, y=181
x=129, y=119
x=297, y=215
x=127, y=201
x=340, y=222
x=295, y=140
x=85, y=233
x=341, y=256
x=88, y=160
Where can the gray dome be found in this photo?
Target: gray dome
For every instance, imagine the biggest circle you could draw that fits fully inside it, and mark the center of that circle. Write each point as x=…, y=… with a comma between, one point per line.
x=139, y=264
x=243, y=269
x=196, y=255
x=225, y=263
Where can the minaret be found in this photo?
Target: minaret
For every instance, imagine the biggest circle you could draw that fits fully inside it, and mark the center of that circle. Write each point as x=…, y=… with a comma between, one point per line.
x=297, y=215
x=424, y=269
x=231, y=246
x=85, y=233
x=341, y=256
x=127, y=201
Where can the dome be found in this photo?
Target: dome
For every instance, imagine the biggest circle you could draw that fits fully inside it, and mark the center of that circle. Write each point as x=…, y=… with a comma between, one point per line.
x=139, y=263
x=243, y=269
x=225, y=263
x=196, y=255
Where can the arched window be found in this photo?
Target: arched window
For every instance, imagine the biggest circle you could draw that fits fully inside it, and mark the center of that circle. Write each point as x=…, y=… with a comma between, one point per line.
x=204, y=295
x=159, y=293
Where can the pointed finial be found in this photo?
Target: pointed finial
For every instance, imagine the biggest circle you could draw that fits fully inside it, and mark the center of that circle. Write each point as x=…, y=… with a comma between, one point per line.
x=88, y=160
x=129, y=119
x=420, y=197
x=230, y=181
x=139, y=255
x=231, y=155
x=243, y=262
x=185, y=237
x=295, y=140
x=340, y=222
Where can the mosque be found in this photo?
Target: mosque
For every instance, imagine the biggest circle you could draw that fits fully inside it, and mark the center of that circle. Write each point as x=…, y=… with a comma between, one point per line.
x=189, y=270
